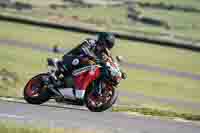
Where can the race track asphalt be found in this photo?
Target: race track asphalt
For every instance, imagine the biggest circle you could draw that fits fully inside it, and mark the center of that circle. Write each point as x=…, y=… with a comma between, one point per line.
x=43, y=116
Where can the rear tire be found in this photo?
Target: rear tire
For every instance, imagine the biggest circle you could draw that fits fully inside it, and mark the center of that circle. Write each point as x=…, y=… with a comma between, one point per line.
x=43, y=95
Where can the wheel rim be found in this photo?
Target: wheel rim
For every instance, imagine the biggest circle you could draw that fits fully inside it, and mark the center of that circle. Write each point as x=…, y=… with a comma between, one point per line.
x=98, y=100
x=34, y=88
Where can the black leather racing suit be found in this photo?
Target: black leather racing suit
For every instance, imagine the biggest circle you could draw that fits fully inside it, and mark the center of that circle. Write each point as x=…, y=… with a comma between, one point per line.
x=87, y=48
x=73, y=59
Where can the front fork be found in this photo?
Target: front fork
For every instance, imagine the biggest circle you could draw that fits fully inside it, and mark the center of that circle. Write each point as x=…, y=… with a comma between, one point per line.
x=99, y=88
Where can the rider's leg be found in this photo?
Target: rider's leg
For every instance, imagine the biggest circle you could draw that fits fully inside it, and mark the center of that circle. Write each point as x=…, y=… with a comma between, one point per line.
x=68, y=64
x=83, y=80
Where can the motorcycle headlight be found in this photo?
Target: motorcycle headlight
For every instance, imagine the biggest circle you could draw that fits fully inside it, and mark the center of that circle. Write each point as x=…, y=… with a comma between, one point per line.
x=115, y=72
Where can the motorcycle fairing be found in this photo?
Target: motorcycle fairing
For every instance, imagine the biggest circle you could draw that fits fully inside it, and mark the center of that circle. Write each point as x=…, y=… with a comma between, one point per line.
x=85, y=77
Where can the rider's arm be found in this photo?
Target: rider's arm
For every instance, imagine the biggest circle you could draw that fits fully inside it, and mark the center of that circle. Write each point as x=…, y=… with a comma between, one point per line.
x=87, y=47
x=85, y=51
x=82, y=48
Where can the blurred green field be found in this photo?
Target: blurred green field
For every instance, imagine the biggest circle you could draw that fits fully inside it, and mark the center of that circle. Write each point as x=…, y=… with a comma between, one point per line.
x=155, y=84
x=183, y=24
x=133, y=52
x=13, y=127
x=41, y=2
x=193, y=3
x=147, y=103
x=25, y=63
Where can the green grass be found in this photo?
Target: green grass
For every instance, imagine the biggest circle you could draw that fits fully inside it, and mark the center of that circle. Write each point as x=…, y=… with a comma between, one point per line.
x=25, y=63
x=148, y=103
x=37, y=35
x=182, y=23
x=12, y=127
x=154, y=84
x=41, y=3
x=193, y=3
x=29, y=14
x=112, y=13
x=157, y=112
x=85, y=15
x=134, y=52
x=171, y=58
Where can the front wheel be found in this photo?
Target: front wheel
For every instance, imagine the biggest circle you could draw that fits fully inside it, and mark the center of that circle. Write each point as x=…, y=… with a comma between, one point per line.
x=35, y=92
x=100, y=103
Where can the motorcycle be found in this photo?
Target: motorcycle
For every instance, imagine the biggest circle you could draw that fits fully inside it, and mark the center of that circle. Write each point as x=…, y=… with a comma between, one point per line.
x=100, y=94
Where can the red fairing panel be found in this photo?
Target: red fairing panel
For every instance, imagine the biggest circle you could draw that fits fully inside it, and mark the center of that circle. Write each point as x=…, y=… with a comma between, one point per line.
x=83, y=80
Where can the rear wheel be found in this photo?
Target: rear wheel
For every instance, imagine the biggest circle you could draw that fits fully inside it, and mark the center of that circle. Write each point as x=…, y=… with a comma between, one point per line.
x=35, y=92
x=99, y=103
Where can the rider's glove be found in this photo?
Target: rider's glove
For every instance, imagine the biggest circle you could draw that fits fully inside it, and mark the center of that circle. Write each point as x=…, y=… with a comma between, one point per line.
x=91, y=62
x=88, y=60
x=124, y=75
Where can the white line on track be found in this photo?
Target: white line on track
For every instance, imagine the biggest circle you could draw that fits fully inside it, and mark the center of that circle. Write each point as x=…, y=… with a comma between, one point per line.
x=11, y=99
x=12, y=116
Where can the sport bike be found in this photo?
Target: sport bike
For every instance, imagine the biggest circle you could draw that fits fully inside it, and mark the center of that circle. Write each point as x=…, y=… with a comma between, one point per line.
x=101, y=92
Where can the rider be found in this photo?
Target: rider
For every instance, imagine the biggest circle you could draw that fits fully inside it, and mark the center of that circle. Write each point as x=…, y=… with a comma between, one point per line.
x=86, y=53
x=94, y=48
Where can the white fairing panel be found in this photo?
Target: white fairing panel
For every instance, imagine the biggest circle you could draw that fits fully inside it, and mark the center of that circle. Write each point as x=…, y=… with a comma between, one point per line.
x=67, y=93
x=80, y=94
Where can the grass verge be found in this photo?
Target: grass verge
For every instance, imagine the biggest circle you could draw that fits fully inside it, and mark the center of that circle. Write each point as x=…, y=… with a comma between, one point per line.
x=182, y=24
x=157, y=112
x=149, y=102
x=193, y=3
x=11, y=127
x=158, y=85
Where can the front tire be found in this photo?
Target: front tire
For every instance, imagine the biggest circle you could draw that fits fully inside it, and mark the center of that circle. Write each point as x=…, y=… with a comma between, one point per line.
x=105, y=105
x=41, y=93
